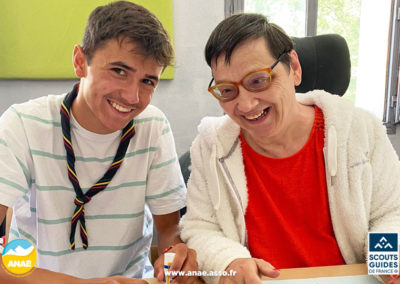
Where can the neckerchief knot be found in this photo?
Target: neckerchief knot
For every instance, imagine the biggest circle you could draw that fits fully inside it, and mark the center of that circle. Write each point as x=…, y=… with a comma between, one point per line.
x=82, y=201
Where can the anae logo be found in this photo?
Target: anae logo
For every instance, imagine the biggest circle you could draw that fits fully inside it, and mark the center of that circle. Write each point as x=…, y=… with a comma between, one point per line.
x=19, y=257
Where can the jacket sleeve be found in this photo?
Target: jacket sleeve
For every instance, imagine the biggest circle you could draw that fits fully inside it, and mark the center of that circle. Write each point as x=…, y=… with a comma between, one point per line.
x=385, y=199
x=200, y=226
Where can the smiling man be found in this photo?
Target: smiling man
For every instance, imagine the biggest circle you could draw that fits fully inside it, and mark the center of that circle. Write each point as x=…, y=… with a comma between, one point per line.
x=87, y=172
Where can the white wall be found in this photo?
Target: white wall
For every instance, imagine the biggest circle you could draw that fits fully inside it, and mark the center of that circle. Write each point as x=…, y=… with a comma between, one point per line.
x=372, y=56
x=370, y=94
x=184, y=99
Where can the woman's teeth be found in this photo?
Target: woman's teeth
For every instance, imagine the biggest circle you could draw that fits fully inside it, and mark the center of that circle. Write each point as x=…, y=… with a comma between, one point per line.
x=258, y=116
x=120, y=108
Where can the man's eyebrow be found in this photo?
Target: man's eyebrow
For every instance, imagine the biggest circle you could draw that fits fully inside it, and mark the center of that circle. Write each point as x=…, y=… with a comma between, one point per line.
x=123, y=65
x=152, y=77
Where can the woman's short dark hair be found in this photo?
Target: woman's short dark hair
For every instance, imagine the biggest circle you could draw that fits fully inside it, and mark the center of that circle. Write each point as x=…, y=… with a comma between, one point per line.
x=123, y=20
x=242, y=27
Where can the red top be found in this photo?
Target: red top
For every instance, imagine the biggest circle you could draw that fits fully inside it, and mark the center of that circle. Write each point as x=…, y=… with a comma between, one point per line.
x=287, y=219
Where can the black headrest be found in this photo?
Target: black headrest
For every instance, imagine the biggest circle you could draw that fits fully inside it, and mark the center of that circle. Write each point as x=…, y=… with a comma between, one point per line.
x=325, y=63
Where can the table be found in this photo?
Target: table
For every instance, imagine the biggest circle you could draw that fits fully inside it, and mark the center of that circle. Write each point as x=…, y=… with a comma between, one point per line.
x=322, y=271
x=310, y=272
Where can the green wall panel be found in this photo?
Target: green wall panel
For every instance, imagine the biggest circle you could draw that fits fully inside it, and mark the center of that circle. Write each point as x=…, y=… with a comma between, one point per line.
x=37, y=36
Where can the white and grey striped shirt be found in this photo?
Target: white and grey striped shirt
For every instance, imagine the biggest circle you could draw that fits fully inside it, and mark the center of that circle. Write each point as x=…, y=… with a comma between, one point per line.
x=34, y=181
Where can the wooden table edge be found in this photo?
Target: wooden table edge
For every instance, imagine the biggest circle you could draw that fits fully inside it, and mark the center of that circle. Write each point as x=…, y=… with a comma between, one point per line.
x=322, y=271
x=309, y=272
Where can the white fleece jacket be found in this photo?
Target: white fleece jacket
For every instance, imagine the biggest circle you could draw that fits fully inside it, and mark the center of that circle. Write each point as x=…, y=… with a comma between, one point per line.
x=362, y=172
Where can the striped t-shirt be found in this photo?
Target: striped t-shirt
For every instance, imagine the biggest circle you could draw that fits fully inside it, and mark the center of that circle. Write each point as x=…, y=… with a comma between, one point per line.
x=34, y=181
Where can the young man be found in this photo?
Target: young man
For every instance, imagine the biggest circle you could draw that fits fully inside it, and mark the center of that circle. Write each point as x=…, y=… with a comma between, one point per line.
x=85, y=172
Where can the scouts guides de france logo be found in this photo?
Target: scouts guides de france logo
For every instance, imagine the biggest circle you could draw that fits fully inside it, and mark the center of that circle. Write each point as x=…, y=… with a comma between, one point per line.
x=383, y=253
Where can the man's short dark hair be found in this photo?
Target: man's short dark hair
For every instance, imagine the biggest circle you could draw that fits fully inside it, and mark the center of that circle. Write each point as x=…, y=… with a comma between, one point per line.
x=239, y=28
x=123, y=20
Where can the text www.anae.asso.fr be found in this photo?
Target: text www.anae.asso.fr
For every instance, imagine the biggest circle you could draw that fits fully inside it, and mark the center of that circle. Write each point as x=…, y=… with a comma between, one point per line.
x=199, y=273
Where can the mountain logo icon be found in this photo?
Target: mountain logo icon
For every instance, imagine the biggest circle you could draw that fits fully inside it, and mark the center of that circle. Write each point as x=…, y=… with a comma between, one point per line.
x=383, y=242
x=19, y=257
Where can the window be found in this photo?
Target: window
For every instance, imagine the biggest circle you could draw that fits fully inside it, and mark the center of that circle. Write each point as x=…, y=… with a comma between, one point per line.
x=290, y=15
x=364, y=25
x=343, y=17
x=392, y=100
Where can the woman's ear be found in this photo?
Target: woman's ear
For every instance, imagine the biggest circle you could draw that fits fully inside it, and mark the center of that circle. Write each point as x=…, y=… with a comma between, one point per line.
x=295, y=66
x=79, y=61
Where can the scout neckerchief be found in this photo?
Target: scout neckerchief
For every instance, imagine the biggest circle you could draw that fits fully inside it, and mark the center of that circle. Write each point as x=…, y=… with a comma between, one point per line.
x=81, y=199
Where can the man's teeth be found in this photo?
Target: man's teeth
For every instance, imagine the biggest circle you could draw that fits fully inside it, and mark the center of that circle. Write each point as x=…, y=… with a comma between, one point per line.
x=120, y=108
x=257, y=116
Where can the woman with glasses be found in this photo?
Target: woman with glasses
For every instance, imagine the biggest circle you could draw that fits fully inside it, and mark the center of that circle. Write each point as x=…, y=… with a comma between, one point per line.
x=282, y=180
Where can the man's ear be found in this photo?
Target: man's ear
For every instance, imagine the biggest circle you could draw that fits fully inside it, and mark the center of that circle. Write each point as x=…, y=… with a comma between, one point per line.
x=295, y=66
x=79, y=61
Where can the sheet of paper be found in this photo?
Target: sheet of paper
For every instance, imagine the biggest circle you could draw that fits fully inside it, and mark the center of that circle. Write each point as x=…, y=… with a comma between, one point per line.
x=359, y=279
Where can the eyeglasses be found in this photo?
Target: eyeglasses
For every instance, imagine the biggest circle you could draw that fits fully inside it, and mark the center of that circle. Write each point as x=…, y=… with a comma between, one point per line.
x=255, y=81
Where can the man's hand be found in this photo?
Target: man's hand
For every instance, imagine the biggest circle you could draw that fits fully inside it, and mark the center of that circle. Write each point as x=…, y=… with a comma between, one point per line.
x=248, y=270
x=185, y=260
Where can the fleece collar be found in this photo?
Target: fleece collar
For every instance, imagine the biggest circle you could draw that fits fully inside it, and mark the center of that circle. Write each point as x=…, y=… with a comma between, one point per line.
x=223, y=131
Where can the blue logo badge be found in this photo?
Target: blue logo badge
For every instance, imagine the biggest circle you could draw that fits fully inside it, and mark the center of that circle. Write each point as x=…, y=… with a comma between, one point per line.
x=383, y=253
x=383, y=242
